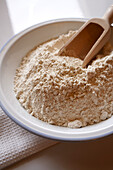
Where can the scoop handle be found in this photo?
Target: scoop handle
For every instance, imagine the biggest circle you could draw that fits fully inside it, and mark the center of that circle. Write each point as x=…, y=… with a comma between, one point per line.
x=108, y=16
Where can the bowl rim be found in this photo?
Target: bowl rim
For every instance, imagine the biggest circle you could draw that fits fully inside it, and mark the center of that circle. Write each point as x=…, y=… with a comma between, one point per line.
x=18, y=121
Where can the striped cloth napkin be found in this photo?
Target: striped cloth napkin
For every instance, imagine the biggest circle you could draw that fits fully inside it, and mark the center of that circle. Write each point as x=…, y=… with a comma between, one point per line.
x=16, y=143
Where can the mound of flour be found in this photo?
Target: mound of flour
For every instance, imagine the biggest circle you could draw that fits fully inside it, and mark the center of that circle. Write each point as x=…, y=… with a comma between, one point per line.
x=57, y=90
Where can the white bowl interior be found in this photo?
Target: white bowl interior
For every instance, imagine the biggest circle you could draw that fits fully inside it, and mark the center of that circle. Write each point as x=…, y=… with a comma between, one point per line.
x=10, y=59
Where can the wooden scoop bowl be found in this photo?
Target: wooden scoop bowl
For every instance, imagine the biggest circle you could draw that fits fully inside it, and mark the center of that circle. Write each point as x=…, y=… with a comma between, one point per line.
x=89, y=39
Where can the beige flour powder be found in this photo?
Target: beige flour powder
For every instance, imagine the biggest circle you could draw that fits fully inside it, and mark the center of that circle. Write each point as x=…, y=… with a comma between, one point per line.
x=57, y=90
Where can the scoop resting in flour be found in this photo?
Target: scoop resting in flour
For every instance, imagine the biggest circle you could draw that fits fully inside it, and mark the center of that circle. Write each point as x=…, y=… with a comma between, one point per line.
x=56, y=89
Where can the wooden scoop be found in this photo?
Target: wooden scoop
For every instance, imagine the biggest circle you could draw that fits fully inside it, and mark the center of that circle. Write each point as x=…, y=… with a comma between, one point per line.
x=90, y=38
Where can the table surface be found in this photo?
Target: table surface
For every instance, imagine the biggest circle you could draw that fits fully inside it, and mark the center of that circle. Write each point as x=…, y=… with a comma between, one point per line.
x=90, y=155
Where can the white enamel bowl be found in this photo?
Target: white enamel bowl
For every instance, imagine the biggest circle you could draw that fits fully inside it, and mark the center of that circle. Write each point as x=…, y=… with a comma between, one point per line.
x=10, y=58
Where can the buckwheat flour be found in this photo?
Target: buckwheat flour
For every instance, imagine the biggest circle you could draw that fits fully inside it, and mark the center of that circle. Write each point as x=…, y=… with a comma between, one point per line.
x=57, y=90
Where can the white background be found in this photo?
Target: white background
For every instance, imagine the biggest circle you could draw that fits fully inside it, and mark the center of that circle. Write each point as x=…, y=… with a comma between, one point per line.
x=24, y=13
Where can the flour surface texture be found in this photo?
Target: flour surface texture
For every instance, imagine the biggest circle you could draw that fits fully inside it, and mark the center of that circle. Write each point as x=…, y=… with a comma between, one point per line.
x=57, y=90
